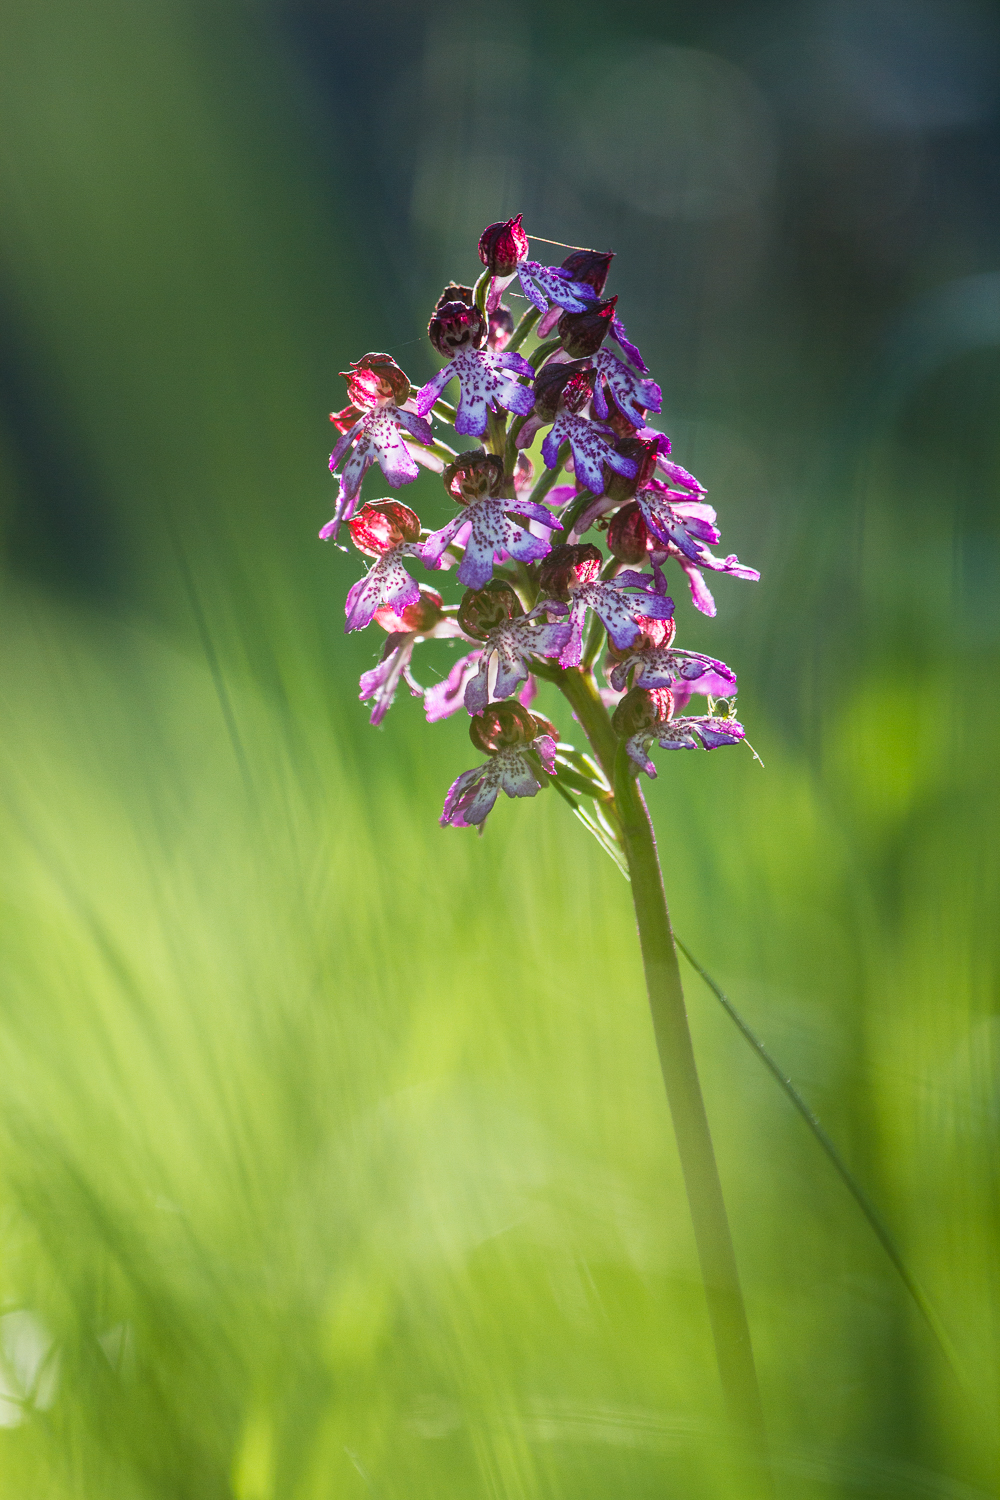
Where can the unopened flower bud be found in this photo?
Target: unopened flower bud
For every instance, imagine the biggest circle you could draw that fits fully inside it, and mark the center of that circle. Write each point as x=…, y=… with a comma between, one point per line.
x=568, y=386
x=640, y=709
x=455, y=326
x=628, y=535
x=583, y=333
x=382, y=524
x=501, y=725
x=482, y=610
x=566, y=565
x=455, y=292
x=590, y=266
x=374, y=380
x=421, y=617
x=473, y=476
x=501, y=328
x=502, y=245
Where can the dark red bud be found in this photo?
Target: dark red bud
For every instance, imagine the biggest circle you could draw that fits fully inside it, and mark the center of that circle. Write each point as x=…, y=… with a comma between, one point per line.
x=454, y=292
x=590, y=266
x=502, y=245
x=569, y=384
x=455, y=326
x=641, y=708
x=473, y=476
x=421, y=617
x=565, y=565
x=381, y=524
x=628, y=535
x=374, y=380
x=583, y=333
x=482, y=610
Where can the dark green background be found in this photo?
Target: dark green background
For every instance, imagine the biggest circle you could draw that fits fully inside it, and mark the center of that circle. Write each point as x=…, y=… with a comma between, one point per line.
x=333, y=1156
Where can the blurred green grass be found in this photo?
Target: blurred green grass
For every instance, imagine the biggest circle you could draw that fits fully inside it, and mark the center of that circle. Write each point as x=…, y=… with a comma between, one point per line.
x=333, y=1152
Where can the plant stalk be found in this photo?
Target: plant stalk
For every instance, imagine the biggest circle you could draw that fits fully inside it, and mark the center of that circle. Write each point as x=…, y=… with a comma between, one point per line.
x=716, y=1255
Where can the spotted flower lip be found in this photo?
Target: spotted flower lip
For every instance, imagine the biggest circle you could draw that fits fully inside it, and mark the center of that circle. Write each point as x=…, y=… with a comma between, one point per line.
x=522, y=749
x=590, y=447
x=508, y=648
x=621, y=604
x=491, y=532
x=664, y=666
x=645, y=716
x=706, y=730
x=387, y=531
x=488, y=381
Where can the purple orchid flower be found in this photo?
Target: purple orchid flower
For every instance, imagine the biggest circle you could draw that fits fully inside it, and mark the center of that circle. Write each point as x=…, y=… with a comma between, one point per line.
x=522, y=749
x=620, y=602
x=425, y=620
x=683, y=527
x=488, y=380
x=491, y=533
x=377, y=388
x=682, y=734
x=665, y=667
x=511, y=645
x=589, y=447
x=386, y=531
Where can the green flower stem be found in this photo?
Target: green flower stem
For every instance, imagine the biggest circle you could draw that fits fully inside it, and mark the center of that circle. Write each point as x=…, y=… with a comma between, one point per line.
x=538, y=356
x=524, y=327
x=510, y=452
x=694, y=1142
x=481, y=290
x=585, y=700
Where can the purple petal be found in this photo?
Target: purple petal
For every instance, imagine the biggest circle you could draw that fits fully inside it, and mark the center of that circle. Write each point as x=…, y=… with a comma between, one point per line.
x=433, y=548
x=549, y=321
x=511, y=360
x=621, y=337
x=345, y=442
x=545, y=748
x=477, y=692
x=701, y=595
x=428, y=394
x=445, y=698
x=460, y=796
x=415, y=425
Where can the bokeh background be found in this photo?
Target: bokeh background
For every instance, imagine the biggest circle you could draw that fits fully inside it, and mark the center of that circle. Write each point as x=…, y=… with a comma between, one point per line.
x=333, y=1153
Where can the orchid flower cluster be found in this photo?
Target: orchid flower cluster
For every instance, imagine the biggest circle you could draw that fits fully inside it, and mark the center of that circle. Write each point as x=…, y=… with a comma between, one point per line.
x=540, y=602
